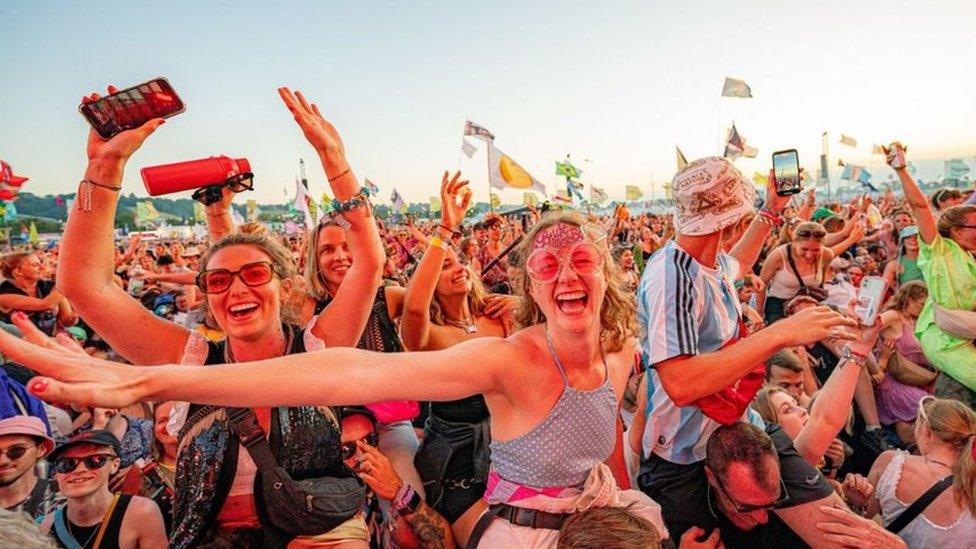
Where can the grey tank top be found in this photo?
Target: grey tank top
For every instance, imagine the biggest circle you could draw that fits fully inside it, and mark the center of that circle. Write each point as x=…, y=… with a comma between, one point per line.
x=578, y=433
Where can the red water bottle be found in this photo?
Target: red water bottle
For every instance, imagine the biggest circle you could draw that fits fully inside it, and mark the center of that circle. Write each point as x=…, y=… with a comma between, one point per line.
x=192, y=174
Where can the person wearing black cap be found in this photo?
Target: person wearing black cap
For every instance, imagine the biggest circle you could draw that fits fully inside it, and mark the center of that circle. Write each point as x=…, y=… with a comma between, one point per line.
x=93, y=516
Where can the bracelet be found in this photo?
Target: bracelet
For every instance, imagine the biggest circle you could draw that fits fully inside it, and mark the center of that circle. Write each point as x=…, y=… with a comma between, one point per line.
x=437, y=242
x=85, y=191
x=357, y=200
x=331, y=179
x=448, y=229
x=770, y=218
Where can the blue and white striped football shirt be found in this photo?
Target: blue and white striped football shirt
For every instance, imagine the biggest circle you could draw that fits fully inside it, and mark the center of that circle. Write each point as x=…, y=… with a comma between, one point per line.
x=685, y=308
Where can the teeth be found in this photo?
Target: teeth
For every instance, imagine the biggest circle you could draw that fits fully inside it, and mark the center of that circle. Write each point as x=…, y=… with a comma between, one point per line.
x=571, y=296
x=243, y=307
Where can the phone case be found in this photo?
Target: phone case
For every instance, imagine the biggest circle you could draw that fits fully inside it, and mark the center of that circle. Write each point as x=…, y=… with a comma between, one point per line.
x=132, y=107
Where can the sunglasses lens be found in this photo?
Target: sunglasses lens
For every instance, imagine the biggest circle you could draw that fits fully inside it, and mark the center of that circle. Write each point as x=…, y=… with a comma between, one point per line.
x=95, y=462
x=66, y=465
x=16, y=452
x=372, y=439
x=348, y=450
x=256, y=274
x=216, y=281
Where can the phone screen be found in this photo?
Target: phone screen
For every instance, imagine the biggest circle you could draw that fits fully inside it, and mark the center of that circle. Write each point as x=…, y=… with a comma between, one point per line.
x=869, y=299
x=786, y=169
x=130, y=108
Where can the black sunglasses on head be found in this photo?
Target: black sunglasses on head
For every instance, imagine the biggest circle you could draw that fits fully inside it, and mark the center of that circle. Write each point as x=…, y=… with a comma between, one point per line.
x=93, y=462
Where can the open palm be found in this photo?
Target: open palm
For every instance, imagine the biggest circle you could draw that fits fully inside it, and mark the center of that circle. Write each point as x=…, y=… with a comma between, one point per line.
x=319, y=131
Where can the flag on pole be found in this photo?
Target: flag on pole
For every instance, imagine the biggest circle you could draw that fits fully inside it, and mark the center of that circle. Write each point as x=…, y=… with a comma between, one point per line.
x=682, y=161
x=597, y=195
x=199, y=212
x=857, y=174
x=529, y=199
x=325, y=204
x=955, y=168
x=301, y=204
x=734, y=87
x=398, y=204
x=477, y=130
x=634, y=192
x=566, y=169
x=467, y=148
x=563, y=196
x=848, y=140
x=735, y=146
x=7, y=175
x=32, y=234
x=877, y=149
x=574, y=189
x=503, y=172
x=435, y=205
x=252, y=210
x=495, y=201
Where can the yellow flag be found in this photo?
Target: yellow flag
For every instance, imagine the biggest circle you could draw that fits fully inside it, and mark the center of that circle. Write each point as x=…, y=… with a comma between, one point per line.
x=151, y=212
x=495, y=201
x=32, y=234
x=199, y=212
x=634, y=192
x=759, y=179
x=252, y=209
x=529, y=199
x=435, y=204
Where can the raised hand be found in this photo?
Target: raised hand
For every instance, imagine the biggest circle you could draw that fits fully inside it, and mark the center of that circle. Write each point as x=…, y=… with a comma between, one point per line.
x=320, y=132
x=895, y=155
x=120, y=147
x=455, y=199
x=816, y=324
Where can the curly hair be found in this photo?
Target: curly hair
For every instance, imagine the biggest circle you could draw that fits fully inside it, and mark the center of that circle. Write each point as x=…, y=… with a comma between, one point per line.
x=618, y=315
x=907, y=292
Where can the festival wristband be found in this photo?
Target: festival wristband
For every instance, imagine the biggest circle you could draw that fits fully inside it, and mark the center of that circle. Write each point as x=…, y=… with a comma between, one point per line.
x=437, y=242
x=406, y=502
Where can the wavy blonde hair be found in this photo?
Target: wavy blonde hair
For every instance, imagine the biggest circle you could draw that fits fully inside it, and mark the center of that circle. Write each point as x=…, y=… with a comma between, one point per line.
x=618, y=315
x=313, y=274
x=476, y=300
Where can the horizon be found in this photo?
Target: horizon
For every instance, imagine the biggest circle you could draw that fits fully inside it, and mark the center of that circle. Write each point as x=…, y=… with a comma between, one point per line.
x=618, y=87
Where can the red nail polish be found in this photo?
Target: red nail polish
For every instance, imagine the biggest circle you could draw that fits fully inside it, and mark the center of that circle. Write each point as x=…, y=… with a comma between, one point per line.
x=39, y=386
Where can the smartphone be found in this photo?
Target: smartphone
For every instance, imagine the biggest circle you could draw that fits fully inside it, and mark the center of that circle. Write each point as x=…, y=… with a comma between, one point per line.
x=869, y=300
x=786, y=170
x=132, y=107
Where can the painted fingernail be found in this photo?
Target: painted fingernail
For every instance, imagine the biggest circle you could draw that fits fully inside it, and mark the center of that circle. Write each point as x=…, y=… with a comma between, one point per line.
x=39, y=386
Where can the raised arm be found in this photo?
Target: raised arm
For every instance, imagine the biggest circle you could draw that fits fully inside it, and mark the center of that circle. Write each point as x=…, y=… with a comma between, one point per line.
x=85, y=268
x=747, y=250
x=343, y=320
x=415, y=323
x=924, y=217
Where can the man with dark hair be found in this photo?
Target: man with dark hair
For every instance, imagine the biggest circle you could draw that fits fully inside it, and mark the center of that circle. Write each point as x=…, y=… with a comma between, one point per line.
x=785, y=370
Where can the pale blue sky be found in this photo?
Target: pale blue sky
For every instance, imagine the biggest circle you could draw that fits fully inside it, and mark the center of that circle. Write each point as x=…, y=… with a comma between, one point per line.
x=619, y=83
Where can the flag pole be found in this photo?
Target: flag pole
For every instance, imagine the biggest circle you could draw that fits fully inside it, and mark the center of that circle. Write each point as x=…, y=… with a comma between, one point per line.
x=491, y=143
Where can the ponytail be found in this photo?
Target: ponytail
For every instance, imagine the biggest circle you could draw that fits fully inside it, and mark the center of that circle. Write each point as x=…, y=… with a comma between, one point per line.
x=965, y=473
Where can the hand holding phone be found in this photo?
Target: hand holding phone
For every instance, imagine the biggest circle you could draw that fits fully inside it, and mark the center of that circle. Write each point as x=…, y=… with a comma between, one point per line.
x=786, y=172
x=130, y=108
x=869, y=299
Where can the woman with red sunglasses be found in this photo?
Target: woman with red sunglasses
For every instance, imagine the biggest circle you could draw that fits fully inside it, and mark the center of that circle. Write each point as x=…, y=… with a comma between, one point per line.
x=552, y=388
x=244, y=276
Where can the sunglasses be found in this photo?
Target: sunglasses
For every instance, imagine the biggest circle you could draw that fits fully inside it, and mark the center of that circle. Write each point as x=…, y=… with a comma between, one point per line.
x=15, y=452
x=349, y=448
x=217, y=281
x=808, y=233
x=93, y=462
x=749, y=508
x=584, y=258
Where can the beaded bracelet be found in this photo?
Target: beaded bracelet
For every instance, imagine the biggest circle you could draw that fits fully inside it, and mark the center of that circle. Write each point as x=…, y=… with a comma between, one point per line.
x=357, y=200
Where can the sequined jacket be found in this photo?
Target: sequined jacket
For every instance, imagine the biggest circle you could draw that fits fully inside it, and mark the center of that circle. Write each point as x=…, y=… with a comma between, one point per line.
x=305, y=441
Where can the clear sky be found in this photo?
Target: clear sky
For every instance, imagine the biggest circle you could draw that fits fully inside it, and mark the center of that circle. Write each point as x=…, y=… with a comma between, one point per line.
x=617, y=83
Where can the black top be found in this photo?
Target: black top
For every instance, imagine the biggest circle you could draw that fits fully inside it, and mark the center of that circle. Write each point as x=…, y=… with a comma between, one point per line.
x=380, y=333
x=85, y=535
x=45, y=320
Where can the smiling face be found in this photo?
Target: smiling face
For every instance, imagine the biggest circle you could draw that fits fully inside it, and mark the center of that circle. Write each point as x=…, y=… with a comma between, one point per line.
x=454, y=278
x=965, y=236
x=574, y=297
x=160, y=419
x=808, y=250
x=333, y=255
x=901, y=220
x=83, y=481
x=13, y=469
x=244, y=312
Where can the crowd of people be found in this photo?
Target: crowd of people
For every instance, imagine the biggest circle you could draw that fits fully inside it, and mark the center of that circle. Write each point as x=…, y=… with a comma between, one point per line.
x=549, y=378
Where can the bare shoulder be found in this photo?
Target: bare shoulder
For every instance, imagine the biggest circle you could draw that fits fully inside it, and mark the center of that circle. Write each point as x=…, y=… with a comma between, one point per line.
x=141, y=508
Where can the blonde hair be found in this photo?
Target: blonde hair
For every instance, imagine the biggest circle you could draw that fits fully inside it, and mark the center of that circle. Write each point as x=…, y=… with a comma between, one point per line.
x=19, y=531
x=907, y=292
x=954, y=217
x=618, y=315
x=313, y=275
x=281, y=262
x=954, y=423
x=615, y=527
x=763, y=403
x=476, y=300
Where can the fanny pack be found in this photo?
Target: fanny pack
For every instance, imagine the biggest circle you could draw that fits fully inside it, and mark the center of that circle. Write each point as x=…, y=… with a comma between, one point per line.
x=297, y=507
x=728, y=405
x=955, y=322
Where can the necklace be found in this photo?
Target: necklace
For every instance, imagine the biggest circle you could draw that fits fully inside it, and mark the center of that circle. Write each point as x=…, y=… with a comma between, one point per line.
x=468, y=327
x=90, y=536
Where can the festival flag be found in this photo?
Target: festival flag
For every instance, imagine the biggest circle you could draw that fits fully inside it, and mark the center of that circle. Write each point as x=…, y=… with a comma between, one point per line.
x=398, y=204
x=761, y=180
x=199, y=212
x=735, y=146
x=574, y=189
x=597, y=195
x=435, y=205
x=840, y=162
x=8, y=211
x=857, y=174
x=877, y=149
x=495, y=201
x=301, y=204
x=848, y=140
x=529, y=200
x=325, y=204
x=667, y=190
x=634, y=192
x=151, y=212
x=566, y=169
x=682, y=161
x=467, y=148
x=7, y=175
x=955, y=168
x=373, y=189
x=58, y=200
x=252, y=210
x=477, y=130
x=503, y=172
x=736, y=88
x=32, y=234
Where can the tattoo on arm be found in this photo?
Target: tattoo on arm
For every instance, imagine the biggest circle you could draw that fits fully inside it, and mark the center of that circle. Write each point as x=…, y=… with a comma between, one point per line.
x=431, y=528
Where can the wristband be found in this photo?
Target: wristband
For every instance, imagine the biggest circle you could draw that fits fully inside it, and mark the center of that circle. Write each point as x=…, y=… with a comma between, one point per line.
x=85, y=190
x=448, y=229
x=769, y=217
x=851, y=356
x=437, y=242
x=406, y=502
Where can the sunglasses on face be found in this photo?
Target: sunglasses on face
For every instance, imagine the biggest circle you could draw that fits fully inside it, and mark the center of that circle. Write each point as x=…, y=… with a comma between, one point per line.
x=585, y=258
x=749, y=508
x=349, y=448
x=217, y=281
x=93, y=462
x=15, y=452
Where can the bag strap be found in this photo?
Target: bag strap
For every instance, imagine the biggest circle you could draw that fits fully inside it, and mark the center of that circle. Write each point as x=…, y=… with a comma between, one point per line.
x=37, y=494
x=245, y=425
x=796, y=272
x=61, y=530
x=108, y=521
x=480, y=527
x=920, y=504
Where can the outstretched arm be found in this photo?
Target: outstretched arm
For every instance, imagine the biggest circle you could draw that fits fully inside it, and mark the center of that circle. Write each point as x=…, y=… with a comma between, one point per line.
x=924, y=217
x=85, y=267
x=747, y=250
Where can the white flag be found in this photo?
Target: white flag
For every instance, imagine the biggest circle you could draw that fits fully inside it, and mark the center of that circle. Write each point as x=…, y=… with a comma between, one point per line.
x=848, y=140
x=736, y=146
x=398, y=204
x=477, y=130
x=301, y=204
x=467, y=148
x=503, y=172
x=736, y=88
